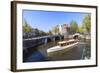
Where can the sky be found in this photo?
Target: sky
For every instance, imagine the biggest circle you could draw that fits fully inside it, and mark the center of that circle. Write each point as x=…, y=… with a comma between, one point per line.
x=46, y=20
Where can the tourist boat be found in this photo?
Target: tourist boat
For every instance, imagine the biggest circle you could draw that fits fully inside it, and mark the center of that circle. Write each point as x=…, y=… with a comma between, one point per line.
x=62, y=46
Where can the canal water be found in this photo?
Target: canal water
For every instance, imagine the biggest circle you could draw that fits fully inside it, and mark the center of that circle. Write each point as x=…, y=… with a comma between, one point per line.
x=39, y=53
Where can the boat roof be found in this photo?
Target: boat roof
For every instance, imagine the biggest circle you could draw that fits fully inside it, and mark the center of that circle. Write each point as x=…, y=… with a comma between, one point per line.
x=62, y=42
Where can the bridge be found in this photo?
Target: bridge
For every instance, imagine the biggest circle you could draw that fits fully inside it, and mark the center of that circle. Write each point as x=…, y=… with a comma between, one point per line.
x=35, y=41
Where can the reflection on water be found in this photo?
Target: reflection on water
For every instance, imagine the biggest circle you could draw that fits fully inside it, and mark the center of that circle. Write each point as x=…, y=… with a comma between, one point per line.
x=39, y=53
x=87, y=50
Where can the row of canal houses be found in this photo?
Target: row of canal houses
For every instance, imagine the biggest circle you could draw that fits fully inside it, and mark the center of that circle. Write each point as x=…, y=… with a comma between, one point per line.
x=63, y=29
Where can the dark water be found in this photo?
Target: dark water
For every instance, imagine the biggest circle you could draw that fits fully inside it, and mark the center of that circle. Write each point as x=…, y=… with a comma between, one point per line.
x=82, y=51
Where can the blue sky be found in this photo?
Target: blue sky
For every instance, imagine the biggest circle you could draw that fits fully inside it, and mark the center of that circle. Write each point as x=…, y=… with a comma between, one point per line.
x=46, y=20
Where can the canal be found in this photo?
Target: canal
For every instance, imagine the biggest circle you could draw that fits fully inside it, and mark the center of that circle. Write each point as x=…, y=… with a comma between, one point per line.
x=39, y=53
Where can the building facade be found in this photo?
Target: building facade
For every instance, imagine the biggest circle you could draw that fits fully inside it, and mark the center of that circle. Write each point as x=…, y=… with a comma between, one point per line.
x=64, y=30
